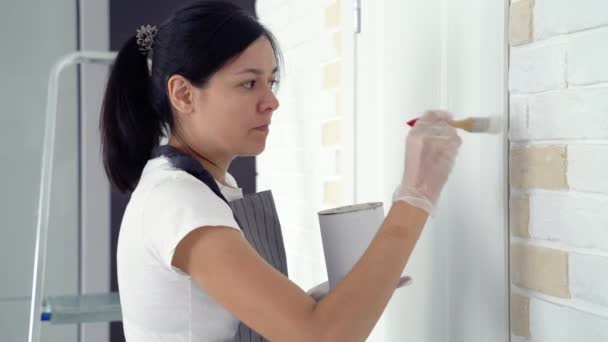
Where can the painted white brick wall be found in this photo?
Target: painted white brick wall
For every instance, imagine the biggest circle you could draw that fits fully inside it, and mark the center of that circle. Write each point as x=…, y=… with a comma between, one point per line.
x=555, y=323
x=295, y=165
x=575, y=219
x=545, y=319
x=587, y=57
x=518, y=118
x=559, y=87
x=559, y=95
x=576, y=113
x=552, y=17
x=589, y=278
x=588, y=169
x=537, y=67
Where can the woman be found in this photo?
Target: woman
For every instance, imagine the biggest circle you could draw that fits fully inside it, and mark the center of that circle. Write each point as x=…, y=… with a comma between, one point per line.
x=183, y=262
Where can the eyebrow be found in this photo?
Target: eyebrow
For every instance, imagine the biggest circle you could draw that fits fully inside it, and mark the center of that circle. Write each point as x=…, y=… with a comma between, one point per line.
x=256, y=71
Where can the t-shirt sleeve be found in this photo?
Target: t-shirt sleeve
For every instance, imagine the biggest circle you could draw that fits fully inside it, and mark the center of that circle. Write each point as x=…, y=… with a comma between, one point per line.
x=176, y=207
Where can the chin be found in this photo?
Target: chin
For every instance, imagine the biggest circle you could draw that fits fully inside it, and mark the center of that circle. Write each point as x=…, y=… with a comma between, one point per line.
x=253, y=151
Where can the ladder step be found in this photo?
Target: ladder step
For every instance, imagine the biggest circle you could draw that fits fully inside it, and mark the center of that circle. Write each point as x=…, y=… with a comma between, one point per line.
x=86, y=308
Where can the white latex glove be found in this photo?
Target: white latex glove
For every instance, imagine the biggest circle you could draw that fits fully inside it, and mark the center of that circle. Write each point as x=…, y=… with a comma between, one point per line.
x=430, y=151
x=321, y=290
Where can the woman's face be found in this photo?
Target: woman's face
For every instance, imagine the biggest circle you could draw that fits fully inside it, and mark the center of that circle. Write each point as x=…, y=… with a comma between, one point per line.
x=232, y=113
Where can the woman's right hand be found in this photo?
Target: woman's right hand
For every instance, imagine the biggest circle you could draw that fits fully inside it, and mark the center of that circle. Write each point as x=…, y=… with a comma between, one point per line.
x=431, y=148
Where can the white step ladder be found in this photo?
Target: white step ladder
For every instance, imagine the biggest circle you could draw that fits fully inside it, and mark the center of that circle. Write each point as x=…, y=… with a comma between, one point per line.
x=80, y=308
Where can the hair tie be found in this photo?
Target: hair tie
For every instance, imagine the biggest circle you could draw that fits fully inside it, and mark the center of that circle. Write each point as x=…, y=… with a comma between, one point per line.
x=145, y=38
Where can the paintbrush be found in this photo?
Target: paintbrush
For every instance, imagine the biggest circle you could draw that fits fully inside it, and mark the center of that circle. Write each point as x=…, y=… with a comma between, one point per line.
x=472, y=124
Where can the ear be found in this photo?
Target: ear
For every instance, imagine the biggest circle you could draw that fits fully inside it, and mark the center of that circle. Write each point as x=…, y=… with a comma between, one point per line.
x=180, y=94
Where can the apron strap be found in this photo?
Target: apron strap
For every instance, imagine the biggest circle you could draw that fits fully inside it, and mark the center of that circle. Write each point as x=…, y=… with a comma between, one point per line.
x=188, y=164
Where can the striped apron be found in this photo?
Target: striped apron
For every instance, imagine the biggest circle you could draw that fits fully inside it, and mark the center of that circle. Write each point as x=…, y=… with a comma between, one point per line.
x=257, y=217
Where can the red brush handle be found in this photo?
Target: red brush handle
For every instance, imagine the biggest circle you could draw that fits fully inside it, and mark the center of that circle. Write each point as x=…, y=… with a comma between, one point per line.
x=412, y=122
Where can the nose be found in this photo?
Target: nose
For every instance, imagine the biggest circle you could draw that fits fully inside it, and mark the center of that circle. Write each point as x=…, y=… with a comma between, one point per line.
x=269, y=102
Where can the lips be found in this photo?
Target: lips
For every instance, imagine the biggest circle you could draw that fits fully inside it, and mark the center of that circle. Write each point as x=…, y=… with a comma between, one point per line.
x=263, y=128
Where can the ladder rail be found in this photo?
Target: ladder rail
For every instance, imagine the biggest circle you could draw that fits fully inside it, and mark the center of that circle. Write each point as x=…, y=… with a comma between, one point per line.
x=42, y=225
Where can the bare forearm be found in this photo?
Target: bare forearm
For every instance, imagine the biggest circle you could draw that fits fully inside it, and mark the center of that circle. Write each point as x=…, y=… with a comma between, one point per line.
x=350, y=311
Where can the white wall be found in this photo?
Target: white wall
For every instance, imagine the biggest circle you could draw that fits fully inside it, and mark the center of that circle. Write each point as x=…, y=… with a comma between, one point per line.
x=394, y=83
x=34, y=34
x=441, y=54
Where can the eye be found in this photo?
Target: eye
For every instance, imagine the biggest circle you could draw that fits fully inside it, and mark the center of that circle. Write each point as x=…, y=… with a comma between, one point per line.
x=249, y=84
x=274, y=85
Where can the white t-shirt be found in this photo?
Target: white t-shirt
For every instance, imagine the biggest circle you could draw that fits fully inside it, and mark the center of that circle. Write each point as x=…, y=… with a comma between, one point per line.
x=160, y=302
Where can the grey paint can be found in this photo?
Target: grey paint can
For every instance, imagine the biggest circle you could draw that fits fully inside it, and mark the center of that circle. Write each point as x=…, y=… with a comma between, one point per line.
x=346, y=232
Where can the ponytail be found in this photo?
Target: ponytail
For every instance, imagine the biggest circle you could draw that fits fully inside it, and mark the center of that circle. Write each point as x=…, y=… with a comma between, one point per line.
x=130, y=127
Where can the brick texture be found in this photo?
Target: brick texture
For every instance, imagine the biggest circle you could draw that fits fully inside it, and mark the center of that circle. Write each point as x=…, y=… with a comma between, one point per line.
x=540, y=269
x=520, y=315
x=541, y=167
x=520, y=31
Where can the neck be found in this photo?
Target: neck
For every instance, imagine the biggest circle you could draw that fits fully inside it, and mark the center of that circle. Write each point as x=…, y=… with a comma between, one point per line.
x=215, y=162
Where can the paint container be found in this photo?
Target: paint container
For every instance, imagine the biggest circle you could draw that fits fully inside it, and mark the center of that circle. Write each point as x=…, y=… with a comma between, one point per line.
x=346, y=232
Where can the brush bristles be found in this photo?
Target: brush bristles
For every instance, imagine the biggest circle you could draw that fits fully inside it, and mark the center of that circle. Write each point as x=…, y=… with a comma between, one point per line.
x=478, y=124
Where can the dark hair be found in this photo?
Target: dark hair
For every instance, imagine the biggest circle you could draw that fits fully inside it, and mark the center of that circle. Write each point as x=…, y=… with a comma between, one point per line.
x=195, y=42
